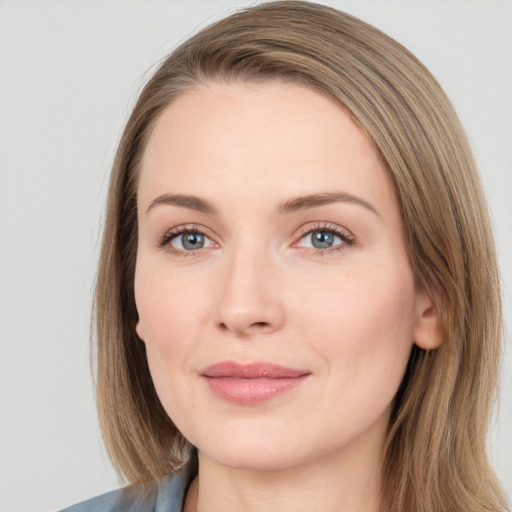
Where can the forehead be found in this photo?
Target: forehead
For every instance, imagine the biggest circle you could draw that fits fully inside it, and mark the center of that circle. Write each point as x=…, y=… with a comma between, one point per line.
x=270, y=141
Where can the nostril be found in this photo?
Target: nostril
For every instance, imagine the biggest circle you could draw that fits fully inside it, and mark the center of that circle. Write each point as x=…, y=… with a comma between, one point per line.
x=240, y=329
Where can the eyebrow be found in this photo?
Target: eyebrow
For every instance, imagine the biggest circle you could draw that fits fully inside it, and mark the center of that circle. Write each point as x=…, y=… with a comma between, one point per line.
x=291, y=205
x=310, y=201
x=184, y=201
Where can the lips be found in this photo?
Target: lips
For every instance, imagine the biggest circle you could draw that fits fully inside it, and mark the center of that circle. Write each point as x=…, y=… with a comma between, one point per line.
x=250, y=384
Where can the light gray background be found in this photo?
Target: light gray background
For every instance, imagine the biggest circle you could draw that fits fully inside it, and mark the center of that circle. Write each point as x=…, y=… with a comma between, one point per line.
x=69, y=73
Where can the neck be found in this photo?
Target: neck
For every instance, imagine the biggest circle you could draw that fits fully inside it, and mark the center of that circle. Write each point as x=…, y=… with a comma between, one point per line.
x=345, y=481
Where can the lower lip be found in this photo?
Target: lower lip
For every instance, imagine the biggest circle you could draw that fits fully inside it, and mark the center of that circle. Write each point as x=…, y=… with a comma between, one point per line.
x=252, y=391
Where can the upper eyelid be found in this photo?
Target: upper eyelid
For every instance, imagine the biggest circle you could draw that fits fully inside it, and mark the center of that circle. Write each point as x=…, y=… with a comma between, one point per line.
x=187, y=228
x=305, y=229
x=326, y=226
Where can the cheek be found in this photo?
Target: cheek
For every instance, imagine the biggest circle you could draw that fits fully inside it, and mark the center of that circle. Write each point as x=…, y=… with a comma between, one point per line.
x=363, y=326
x=171, y=306
x=171, y=312
x=363, y=334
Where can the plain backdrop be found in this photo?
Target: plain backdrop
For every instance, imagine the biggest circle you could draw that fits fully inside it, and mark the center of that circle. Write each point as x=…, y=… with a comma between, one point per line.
x=69, y=74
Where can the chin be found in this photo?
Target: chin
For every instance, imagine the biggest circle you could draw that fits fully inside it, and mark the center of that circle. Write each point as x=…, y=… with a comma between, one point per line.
x=253, y=460
x=253, y=451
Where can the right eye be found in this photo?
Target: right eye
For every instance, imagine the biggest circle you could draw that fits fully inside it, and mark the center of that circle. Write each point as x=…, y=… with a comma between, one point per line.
x=185, y=241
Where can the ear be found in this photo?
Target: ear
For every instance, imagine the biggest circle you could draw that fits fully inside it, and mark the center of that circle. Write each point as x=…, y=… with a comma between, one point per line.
x=428, y=330
x=138, y=330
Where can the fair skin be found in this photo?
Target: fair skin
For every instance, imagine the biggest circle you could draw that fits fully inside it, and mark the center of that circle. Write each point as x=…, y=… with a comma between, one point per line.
x=322, y=287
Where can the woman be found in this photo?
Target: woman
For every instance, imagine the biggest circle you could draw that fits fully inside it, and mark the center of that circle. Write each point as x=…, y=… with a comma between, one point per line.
x=298, y=303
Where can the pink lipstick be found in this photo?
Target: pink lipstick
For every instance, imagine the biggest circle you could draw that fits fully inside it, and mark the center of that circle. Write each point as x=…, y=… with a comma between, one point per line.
x=249, y=384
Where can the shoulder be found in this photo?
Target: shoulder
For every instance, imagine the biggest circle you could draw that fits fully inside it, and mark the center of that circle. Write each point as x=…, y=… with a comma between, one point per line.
x=166, y=495
x=140, y=498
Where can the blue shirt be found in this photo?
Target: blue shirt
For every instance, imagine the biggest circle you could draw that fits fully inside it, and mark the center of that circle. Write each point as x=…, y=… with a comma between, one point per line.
x=167, y=495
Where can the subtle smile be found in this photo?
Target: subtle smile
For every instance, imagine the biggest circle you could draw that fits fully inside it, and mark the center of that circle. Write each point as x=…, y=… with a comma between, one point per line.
x=250, y=384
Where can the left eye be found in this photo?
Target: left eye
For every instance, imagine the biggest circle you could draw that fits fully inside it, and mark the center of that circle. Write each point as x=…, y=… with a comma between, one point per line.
x=190, y=241
x=321, y=239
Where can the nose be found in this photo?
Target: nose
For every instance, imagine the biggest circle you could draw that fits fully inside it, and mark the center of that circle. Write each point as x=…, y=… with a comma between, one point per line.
x=249, y=298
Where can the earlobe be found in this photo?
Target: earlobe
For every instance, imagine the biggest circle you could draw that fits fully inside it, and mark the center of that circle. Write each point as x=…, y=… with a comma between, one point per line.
x=428, y=330
x=138, y=330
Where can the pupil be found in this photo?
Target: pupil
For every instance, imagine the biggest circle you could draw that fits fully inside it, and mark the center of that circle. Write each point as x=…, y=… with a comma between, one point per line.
x=193, y=241
x=322, y=239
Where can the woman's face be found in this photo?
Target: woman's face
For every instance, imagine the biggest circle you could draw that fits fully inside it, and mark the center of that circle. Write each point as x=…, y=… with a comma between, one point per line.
x=273, y=287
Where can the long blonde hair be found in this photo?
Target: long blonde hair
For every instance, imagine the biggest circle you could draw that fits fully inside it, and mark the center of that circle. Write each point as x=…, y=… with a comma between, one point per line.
x=436, y=452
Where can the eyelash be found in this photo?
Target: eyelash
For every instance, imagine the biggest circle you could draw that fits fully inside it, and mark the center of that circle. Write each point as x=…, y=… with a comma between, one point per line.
x=347, y=239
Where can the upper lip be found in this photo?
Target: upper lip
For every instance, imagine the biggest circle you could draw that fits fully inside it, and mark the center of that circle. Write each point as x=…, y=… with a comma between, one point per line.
x=260, y=370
